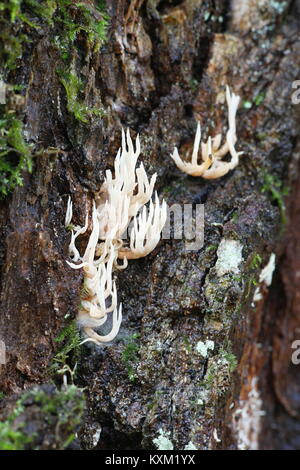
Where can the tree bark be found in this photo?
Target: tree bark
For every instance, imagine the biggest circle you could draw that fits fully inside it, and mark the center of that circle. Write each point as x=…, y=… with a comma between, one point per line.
x=164, y=66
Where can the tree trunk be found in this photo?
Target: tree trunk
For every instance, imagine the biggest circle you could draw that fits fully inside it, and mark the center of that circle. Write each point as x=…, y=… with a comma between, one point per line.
x=162, y=66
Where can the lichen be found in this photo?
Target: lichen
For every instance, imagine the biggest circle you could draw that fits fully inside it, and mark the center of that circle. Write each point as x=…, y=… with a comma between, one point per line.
x=203, y=348
x=229, y=257
x=162, y=442
x=202, y=397
x=279, y=7
x=190, y=446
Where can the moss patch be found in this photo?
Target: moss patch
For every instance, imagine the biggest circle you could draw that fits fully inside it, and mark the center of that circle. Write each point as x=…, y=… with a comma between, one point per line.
x=15, y=153
x=68, y=354
x=72, y=19
x=78, y=18
x=73, y=87
x=274, y=187
x=130, y=355
x=12, y=436
x=43, y=418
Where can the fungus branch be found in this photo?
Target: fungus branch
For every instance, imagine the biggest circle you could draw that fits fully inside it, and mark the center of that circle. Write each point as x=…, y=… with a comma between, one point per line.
x=212, y=151
x=116, y=205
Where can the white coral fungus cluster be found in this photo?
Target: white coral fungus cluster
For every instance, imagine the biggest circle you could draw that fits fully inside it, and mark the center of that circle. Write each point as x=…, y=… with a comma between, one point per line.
x=120, y=201
x=212, y=152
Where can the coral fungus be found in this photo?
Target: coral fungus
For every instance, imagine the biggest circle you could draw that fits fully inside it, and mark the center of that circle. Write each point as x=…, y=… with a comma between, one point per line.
x=212, y=151
x=118, y=203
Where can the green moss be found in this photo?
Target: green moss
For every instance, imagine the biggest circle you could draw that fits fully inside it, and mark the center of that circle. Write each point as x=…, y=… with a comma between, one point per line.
x=187, y=344
x=261, y=135
x=15, y=153
x=236, y=278
x=67, y=20
x=12, y=436
x=78, y=17
x=69, y=351
x=62, y=410
x=75, y=18
x=235, y=217
x=220, y=368
x=42, y=9
x=252, y=276
x=15, y=26
x=73, y=87
x=230, y=358
x=256, y=261
x=210, y=376
x=11, y=48
x=14, y=9
x=211, y=248
x=130, y=355
x=259, y=98
x=57, y=402
x=274, y=187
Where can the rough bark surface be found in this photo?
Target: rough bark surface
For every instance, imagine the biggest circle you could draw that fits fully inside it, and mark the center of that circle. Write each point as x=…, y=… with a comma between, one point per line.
x=164, y=65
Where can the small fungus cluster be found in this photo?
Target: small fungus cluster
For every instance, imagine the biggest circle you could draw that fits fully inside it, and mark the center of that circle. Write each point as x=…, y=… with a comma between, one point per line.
x=212, y=152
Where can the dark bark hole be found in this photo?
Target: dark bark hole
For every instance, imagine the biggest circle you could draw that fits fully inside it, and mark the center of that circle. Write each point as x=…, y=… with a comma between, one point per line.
x=115, y=440
x=12, y=158
x=165, y=5
x=202, y=196
x=189, y=110
x=202, y=58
